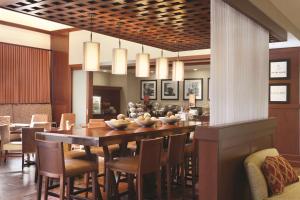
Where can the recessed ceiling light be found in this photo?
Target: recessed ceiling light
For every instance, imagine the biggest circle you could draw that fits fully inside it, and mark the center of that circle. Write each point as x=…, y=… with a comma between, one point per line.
x=195, y=69
x=105, y=70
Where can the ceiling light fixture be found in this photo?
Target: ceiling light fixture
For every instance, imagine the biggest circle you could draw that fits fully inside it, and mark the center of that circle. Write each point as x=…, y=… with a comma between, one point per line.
x=142, y=66
x=91, y=52
x=119, y=60
x=178, y=70
x=162, y=67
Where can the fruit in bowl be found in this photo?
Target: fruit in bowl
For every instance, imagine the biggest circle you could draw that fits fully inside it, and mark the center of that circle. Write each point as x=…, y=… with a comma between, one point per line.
x=145, y=120
x=169, y=118
x=118, y=124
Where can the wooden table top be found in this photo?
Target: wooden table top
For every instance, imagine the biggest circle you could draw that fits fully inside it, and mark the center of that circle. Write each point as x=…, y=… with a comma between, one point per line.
x=107, y=136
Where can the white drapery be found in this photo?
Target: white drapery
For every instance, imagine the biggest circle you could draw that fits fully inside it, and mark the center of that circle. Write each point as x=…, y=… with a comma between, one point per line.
x=239, y=66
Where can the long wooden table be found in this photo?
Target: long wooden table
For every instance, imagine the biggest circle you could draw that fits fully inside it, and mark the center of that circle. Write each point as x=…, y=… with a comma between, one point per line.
x=103, y=137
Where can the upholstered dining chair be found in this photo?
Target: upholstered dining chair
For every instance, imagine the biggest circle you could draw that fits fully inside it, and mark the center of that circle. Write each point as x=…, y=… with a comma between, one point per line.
x=5, y=120
x=39, y=118
x=28, y=145
x=6, y=145
x=148, y=161
x=67, y=121
x=52, y=164
x=174, y=158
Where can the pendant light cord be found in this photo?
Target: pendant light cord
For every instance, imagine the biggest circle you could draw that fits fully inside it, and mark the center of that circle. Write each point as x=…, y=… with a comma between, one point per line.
x=162, y=53
x=119, y=32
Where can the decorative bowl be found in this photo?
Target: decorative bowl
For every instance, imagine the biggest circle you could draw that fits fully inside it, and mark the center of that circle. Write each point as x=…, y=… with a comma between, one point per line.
x=145, y=123
x=170, y=121
x=117, y=124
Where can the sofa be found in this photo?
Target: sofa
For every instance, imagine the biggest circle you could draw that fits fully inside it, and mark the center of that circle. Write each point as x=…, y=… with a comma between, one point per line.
x=257, y=181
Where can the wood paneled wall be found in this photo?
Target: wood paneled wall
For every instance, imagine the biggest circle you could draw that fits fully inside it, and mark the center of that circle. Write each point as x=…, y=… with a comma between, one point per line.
x=24, y=74
x=287, y=137
x=61, y=81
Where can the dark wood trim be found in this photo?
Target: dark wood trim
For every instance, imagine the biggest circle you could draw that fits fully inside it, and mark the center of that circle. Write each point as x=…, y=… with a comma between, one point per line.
x=76, y=67
x=25, y=46
x=293, y=159
x=65, y=31
x=161, y=89
x=25, y=27
x=248, y=9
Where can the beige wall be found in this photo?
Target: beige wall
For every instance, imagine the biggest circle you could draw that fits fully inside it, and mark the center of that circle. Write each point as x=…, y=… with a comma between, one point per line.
x=131, y=87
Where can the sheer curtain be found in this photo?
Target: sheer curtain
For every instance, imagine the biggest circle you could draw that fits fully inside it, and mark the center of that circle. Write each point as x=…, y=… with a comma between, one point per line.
x=239, y=66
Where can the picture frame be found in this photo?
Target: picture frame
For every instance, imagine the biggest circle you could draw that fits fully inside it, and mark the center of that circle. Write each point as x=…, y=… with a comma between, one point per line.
x=148, y=88
x=193, y=86
x=169, y=89
x=279, y=69
x=279, y=93
x=96, y=105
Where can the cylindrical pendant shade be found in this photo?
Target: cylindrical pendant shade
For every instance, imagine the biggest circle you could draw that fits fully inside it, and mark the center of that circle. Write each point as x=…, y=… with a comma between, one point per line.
x=119, y=61
x=142, y=67
x=178, y=71
x=162, y=68
x=91, y=56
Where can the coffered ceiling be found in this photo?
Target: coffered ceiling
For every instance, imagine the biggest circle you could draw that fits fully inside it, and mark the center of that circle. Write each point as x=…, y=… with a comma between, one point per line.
x=174, y=25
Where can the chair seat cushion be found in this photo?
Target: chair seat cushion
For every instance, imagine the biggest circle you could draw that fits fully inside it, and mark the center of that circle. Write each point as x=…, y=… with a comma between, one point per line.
x=124, y=164
x=76, y=167
x=291, y=192
x=13, y=146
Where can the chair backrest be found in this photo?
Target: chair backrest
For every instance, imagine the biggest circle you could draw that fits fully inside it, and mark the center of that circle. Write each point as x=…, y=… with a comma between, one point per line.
x=5, y=120
x=45, y=125
x=99, y=124
x=28, y=139
x=150, y=155
x=4, y=134
x=39, y=118
x=257, y=181
x=96, y=120
x=176, y=148
x=50, y=158
x=67, y=117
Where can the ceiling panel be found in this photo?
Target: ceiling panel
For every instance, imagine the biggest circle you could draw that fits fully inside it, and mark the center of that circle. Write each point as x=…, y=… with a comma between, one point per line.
x=174, y=25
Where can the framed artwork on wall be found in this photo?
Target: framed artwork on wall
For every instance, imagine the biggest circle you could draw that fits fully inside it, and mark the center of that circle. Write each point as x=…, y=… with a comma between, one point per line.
x=149, y=89
x=279, y=93
x=193, y=86
x=169, y=89
x=279, y=69
x=96, y=105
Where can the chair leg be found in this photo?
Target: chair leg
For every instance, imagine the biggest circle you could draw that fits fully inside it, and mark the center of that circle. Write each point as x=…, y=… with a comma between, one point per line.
x=46, y=186
x=22, y=162
x=5, y=156
x=96, y=190
x=158, y=185
x=70, y=184
x=62, y=188
x=139, y=178
x=87, y=183
x=40, y=182
x=168, y=170
x=182, y=178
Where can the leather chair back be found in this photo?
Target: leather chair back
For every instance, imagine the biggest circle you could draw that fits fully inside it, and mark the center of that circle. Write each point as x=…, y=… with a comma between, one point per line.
x=28, y=139
x=70, y=117
x=176, y=149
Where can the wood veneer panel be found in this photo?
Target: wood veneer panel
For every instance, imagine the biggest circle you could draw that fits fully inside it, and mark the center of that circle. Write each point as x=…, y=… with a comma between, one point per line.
x=222, y=150
x=61, y=94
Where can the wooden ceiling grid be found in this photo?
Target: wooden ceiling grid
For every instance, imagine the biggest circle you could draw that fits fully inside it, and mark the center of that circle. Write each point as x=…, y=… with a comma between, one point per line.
x=175, y=25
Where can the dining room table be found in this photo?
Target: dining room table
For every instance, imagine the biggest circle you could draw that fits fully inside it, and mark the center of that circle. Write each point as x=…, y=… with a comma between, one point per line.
x=105, y=136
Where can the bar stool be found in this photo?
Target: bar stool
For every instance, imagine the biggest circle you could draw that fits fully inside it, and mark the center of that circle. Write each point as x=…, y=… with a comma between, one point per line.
x=147, y=162
x=173, y=158
x=51, y=164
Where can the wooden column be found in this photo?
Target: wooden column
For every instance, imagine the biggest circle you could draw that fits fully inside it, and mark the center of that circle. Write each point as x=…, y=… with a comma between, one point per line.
x=222, y=151
x=287, y=137
x=61, y=95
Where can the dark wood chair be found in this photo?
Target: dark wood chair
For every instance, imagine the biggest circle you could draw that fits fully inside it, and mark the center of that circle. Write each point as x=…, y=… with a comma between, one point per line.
x=174, y=158
x=28, y=145
x=191, y=163
x=148, y=161
x=51, y=164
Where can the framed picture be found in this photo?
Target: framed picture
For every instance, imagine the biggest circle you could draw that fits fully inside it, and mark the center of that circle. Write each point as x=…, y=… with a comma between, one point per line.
x=208, y=89
x=96, y=105
x=193, y=86
x=149, y=89
x=279, y=69
x=169, y=89
x=279, y=93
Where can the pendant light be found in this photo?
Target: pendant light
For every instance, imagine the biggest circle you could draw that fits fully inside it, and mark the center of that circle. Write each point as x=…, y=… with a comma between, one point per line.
x=142, y=66
x=178, y=70
x=162, y=67
x=119, y=60
x=91, y=53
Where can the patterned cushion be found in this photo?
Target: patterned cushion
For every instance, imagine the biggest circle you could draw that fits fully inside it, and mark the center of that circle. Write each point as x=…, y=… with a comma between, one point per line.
x=289, y=174
x=273, y=175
